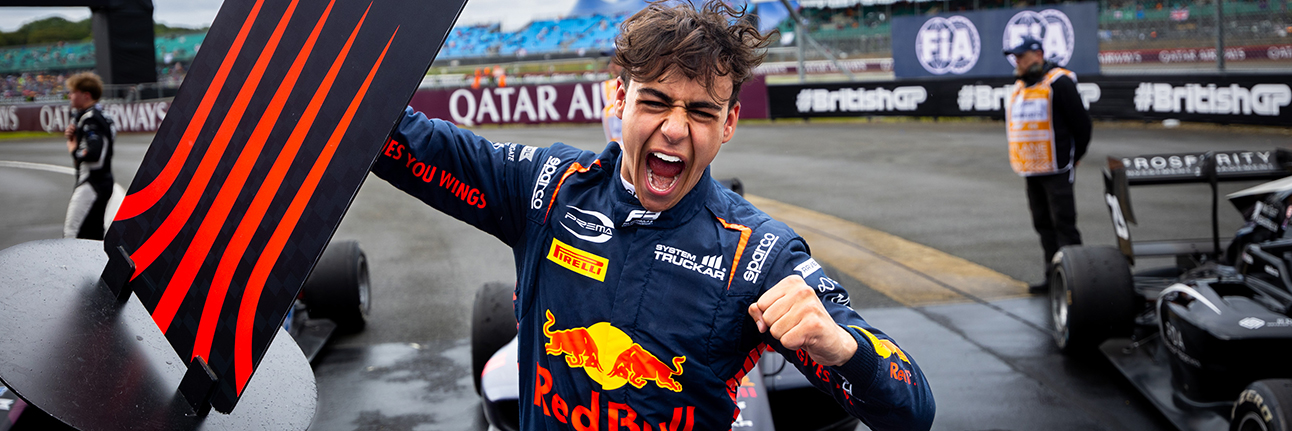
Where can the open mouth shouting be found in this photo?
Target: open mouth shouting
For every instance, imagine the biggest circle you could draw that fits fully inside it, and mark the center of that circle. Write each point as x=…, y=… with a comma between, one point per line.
x=663, y=172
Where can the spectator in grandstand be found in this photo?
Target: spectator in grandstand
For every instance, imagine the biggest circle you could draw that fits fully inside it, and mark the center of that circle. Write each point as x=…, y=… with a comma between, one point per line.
x=693, y=282
x=32, y=86
x=1048, y=131
x=89, y=141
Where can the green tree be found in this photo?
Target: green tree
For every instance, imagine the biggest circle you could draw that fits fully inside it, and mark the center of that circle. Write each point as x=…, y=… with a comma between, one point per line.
x=48, y=30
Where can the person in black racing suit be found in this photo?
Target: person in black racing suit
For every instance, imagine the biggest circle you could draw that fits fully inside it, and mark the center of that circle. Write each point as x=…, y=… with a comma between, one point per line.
x=89, y=141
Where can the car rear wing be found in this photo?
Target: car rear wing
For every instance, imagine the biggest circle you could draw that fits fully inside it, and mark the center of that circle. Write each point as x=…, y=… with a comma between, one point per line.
x=1184, y=168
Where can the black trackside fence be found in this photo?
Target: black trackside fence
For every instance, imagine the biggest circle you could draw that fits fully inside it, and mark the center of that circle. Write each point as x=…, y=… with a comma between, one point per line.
x=1225, y=99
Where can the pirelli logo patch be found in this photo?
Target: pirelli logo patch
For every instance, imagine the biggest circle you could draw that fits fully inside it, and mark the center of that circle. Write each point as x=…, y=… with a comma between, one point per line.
x=579, y=261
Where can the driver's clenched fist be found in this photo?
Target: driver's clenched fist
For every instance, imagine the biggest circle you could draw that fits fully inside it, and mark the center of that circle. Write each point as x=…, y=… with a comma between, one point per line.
x=795, y=316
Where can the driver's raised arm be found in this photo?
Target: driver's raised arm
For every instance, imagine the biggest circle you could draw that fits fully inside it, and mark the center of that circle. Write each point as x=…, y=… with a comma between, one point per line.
x=480, y=182
x=806, y=316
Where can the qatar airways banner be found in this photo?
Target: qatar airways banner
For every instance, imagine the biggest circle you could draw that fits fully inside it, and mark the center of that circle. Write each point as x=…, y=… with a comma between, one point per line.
x=530, y=104
x=970, y=44
x=128, y=117
x=1238, y=99
x=1195, y=55
x=556, y=103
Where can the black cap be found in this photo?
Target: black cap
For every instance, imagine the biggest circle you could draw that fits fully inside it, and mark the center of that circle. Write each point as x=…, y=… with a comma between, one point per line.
x=1028, y=44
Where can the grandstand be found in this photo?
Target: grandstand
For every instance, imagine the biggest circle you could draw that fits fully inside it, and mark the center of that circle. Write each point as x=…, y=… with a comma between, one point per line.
x=64, y=56
x=37, y=72
x=52, y=57
x=572, y=36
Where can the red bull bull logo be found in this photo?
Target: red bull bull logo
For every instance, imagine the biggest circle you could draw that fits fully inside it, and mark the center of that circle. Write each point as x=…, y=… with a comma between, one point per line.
x=589, y=348
x=637, y=365
x=886, y=349
x=576, y=344
x=883, y=348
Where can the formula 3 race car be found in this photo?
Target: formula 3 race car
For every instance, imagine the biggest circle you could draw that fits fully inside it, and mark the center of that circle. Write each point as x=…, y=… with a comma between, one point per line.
x=1209, y=340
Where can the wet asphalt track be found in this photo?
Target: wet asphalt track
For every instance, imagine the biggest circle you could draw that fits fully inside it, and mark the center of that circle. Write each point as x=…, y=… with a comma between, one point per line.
x=944, y=185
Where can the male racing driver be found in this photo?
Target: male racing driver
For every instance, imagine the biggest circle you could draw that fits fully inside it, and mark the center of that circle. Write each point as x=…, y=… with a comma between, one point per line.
x=646, y=291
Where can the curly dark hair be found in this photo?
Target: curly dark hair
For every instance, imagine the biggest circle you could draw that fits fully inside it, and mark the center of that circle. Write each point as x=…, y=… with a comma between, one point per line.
x=701, y=44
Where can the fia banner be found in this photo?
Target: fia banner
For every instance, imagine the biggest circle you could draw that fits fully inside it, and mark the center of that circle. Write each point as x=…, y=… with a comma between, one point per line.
x=969, y=44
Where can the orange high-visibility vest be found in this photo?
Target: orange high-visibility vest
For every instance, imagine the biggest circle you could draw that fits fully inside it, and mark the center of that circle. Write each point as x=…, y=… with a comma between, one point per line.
x=610, y=124
x=1029, y=115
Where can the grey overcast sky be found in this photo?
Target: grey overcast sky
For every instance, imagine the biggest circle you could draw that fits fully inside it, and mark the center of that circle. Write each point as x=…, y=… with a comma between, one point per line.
x=198, y=13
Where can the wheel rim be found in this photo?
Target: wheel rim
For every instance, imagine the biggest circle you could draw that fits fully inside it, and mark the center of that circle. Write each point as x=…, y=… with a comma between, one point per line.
x=364, y=293
x=1250, y=421
x=1059, y=307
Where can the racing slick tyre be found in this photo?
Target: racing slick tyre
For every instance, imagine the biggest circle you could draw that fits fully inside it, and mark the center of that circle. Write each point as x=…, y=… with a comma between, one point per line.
x=493, y=325
x=338, y=287
x=1266, y=405
x=1092, y=298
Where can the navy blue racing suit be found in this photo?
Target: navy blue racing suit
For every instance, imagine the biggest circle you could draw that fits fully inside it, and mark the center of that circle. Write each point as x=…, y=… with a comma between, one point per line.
x=632, y=319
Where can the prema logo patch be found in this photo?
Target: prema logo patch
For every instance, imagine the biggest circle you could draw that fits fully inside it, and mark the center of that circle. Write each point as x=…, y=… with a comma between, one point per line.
x=590, y=226
x=1050, y=26
x=948, y=45
x=579, y=261
x=808, y=267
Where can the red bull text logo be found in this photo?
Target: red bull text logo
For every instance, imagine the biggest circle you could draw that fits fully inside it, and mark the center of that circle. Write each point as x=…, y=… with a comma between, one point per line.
x=579, y=261
x=587, y=347
x=886, y=349
x=616, y=416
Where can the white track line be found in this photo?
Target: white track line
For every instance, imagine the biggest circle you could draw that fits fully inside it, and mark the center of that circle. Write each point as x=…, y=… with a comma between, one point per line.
x=38, y=166
x=114, y=202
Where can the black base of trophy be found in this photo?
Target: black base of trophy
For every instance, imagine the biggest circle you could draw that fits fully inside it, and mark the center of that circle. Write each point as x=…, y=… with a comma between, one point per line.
x=71, y=349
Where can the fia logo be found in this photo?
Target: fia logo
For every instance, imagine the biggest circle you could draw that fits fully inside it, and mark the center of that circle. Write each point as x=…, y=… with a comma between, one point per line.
x=948, y=45
x=1049, y=26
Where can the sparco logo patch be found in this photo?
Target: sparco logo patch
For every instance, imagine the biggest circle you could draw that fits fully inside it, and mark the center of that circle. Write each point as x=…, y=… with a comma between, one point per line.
x=948, y=45
x=755, y=267
x=597, y=230
x=511, y=151
x=544, y=177
x=708, y=265
x=1050, y=26
x=640, y=217
x=579, y=261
